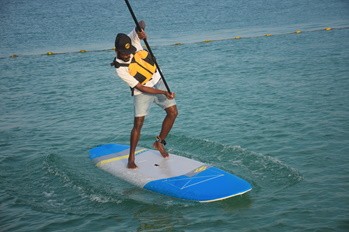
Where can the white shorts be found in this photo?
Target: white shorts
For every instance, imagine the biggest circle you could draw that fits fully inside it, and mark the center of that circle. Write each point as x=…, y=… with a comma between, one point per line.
x=143, y=102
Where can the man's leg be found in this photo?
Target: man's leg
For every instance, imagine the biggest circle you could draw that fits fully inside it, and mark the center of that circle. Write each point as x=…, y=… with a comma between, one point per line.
x=135, y=135
x=171, y=115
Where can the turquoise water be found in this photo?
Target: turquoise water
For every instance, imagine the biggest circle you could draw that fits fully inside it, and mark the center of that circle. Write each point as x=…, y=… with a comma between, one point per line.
x=273, y=110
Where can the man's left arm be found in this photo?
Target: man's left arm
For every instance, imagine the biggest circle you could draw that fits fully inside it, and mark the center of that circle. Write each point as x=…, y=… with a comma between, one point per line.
x=136, y=36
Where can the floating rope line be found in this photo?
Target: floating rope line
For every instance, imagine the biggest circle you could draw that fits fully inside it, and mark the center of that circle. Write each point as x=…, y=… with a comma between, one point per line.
x=269, y=35
x=51, y=53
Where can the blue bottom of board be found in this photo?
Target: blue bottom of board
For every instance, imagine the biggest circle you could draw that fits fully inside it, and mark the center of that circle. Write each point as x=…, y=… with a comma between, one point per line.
x=208, y=185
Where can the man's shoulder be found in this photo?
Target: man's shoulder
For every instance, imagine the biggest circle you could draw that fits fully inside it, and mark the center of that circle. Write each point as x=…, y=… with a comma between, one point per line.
x=117, y=63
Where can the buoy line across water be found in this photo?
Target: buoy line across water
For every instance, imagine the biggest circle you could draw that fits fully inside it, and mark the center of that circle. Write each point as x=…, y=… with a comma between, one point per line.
x=51, y=53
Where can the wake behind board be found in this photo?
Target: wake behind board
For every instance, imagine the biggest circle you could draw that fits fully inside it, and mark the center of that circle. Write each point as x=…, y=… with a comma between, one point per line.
x=176, y=176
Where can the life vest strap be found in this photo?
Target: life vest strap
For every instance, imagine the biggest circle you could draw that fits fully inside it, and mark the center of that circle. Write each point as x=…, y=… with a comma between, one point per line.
x=117, y=64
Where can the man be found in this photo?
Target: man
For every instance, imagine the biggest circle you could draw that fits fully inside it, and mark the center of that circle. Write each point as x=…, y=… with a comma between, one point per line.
x=136, y=67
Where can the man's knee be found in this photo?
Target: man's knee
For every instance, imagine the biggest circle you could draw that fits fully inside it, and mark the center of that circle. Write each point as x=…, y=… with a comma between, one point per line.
x=172, y=111
x=138, y=123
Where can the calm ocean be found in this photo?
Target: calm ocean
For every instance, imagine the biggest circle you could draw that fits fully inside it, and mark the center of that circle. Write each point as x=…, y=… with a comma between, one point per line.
x=254, y=97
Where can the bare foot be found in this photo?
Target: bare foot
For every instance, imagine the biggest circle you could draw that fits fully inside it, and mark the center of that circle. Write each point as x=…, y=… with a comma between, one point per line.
x=131, y=165
x=160, y=147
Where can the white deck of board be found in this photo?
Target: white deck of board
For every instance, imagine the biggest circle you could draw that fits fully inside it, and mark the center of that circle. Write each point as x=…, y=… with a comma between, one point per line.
x=151, y=166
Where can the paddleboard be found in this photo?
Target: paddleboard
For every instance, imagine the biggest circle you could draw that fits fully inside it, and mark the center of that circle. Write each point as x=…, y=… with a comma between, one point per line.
x=176, y=176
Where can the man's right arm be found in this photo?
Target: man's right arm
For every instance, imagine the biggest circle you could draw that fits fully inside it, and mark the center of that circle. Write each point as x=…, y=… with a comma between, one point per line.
x=151, y=90
x=133, y=83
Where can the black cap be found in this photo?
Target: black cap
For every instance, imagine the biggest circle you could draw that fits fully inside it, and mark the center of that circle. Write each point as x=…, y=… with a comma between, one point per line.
x=123, y=44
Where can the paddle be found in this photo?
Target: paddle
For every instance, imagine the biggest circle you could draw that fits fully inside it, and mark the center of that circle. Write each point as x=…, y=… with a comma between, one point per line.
x=146, y=44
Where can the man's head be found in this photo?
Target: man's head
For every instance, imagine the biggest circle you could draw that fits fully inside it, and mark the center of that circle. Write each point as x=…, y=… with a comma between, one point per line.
x=124, y=47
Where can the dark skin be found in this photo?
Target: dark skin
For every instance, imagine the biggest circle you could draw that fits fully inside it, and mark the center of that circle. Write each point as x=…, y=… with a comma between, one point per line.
x=171, y=115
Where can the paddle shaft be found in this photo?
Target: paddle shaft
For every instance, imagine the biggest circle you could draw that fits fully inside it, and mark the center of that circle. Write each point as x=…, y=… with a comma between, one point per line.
x=146, y=44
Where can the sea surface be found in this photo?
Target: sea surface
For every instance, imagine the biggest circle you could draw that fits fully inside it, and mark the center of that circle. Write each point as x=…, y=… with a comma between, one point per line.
x=255, y=98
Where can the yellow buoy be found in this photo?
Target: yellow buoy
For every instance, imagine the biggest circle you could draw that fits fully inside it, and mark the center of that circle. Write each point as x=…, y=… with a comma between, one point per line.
x=237, y=37
x=298, y=31
x=328, y=29
x=178, y=44
x=207, y=41
x=50, y=53
x=268, y=35
x=82, y=51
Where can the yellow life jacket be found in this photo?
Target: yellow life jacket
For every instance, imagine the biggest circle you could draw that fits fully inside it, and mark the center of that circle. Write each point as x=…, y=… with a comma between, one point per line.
x=142, y=67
